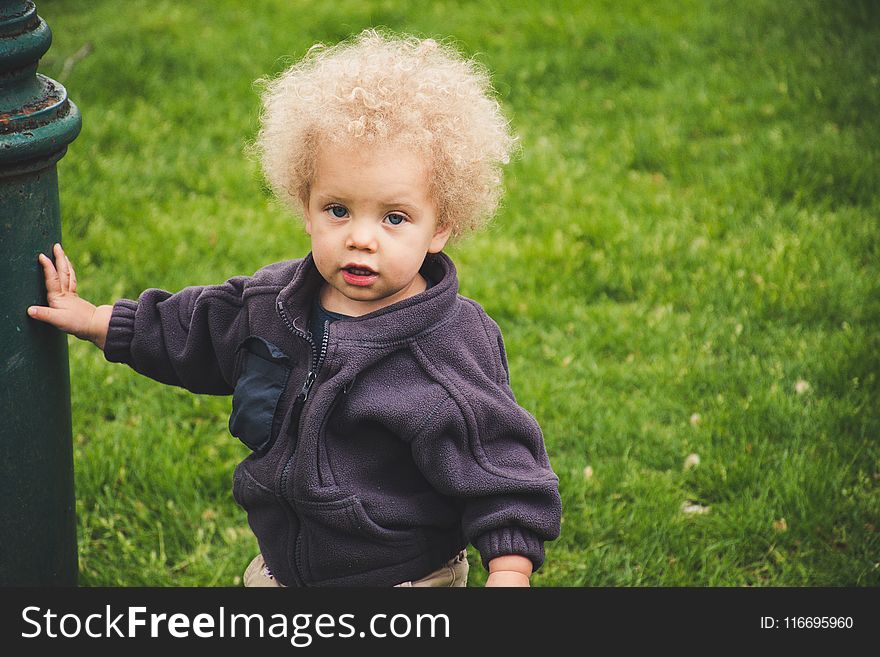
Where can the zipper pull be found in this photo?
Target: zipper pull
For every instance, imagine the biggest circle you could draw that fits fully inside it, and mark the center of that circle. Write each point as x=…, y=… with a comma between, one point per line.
x=307, y=386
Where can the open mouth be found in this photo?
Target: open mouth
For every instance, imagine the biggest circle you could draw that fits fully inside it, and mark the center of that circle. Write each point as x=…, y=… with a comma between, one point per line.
x=359, y=275
x=359, y=271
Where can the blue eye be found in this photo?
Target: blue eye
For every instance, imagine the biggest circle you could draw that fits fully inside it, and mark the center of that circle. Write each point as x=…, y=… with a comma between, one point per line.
x=337, y=211
x=395, y=219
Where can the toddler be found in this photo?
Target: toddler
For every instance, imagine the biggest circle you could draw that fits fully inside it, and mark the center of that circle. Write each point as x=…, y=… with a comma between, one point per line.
x=376, y=400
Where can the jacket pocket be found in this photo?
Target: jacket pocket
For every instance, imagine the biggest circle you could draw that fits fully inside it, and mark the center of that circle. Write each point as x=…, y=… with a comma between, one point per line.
x=263, y=376
x=338, y=539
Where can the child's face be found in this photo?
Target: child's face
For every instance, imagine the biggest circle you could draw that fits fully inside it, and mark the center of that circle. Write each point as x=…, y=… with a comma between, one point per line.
x=372, y=221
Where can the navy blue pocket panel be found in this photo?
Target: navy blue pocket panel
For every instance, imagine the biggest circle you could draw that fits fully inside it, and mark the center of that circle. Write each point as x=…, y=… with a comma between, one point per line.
x=264, y=373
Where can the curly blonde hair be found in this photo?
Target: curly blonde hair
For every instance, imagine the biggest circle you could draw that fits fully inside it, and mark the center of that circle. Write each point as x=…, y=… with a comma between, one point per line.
x=377, y=89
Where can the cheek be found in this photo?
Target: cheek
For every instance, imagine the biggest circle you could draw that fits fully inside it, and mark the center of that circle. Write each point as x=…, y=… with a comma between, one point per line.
x=321, y=250
x=408, y=260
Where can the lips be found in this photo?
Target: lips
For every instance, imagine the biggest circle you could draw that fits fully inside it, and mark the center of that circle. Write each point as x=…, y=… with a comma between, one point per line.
x=358, y=274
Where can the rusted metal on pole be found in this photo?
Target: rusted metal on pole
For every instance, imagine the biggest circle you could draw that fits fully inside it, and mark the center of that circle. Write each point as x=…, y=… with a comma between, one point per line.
x=37, y=122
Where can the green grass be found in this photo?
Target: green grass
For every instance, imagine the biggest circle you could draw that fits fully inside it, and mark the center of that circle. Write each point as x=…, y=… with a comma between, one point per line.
x=691, y=230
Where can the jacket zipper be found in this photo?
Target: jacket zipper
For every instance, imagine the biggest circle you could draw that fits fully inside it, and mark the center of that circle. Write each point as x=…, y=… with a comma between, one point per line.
x=317, y=361
x=317, y=356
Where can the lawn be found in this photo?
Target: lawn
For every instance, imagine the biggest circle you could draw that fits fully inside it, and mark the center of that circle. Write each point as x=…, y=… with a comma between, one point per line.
x=685, y=270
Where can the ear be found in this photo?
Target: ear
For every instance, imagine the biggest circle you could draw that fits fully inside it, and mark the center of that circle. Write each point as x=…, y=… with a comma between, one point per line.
x=441, y=236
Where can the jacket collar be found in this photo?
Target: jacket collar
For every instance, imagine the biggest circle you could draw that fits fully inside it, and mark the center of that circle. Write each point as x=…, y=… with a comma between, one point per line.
x=392, y=324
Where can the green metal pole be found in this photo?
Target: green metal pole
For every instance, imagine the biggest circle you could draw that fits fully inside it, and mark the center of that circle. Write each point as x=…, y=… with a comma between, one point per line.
x=37, y=122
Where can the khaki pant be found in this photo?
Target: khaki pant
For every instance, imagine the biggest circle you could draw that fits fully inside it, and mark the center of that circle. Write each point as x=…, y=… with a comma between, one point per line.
x=453, y=573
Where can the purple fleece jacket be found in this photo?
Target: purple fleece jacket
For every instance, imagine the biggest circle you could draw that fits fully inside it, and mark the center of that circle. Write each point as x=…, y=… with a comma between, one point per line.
x=378, y=454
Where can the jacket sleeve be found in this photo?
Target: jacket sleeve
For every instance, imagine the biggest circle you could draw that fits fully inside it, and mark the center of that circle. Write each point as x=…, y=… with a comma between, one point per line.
x=480, y=446
x=187, y=339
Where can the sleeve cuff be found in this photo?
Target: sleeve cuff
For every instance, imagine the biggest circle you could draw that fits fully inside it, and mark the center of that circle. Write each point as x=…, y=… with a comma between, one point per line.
x=510, y=540
x=117, y=347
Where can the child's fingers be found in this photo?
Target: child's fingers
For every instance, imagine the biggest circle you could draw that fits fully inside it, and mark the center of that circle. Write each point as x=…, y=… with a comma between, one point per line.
x=45, y=314
x=61, y=266
x=53, y=283
x=72, y=274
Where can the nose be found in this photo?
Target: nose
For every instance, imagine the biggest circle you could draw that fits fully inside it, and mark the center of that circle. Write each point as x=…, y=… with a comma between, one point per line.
x=362, y=236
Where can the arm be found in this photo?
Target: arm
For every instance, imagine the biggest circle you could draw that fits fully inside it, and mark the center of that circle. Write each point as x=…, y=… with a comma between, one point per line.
x=480, y=446
x=187, y=339
x=68, y=311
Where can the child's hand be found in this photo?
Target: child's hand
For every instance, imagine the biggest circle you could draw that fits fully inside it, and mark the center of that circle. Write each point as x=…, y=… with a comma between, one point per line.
x=509, y=570
x=67, y=310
